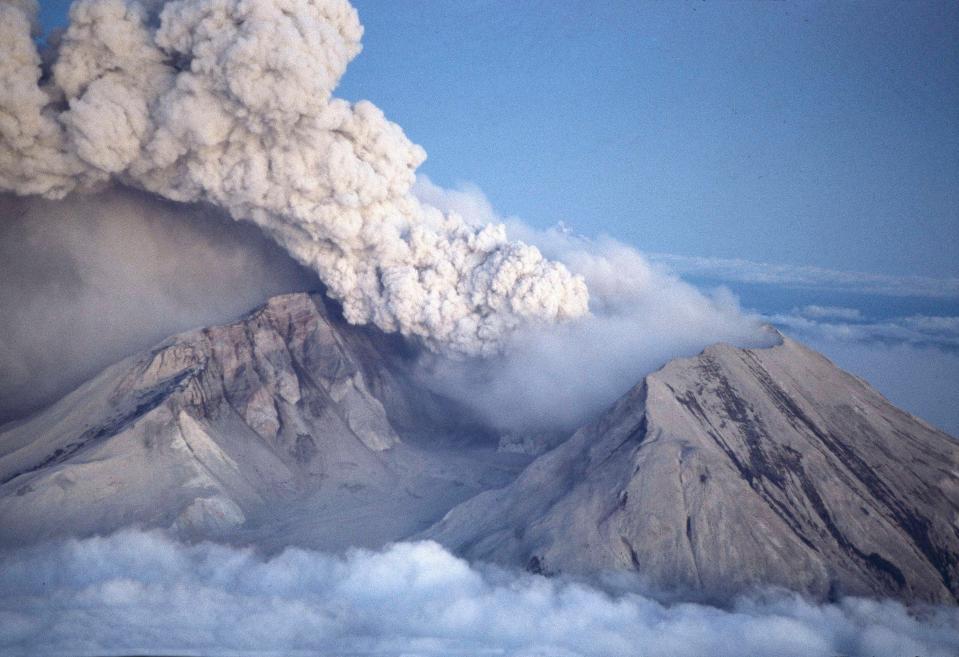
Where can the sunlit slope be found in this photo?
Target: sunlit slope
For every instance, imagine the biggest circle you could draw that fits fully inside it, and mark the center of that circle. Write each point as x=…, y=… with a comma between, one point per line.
x=736, y=468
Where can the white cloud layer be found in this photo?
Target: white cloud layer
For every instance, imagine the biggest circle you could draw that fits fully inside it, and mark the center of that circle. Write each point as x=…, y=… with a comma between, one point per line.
x=830, y=312
x=799, y=276
x=851, y=325
x=142, y=593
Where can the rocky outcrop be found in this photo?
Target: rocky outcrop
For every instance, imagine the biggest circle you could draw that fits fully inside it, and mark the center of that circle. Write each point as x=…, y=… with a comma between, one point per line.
x=734, y=469
x=227, y=431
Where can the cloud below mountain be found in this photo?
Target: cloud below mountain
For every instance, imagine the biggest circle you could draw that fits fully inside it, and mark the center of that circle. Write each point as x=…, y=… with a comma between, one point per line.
x=141, y=592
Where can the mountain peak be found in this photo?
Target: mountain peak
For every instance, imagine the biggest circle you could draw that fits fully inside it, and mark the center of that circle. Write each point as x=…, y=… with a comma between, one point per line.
x=730, y=470
x=735, y=469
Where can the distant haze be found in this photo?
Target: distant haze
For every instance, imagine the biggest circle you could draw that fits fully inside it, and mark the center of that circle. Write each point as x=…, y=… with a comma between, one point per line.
x=92, y=279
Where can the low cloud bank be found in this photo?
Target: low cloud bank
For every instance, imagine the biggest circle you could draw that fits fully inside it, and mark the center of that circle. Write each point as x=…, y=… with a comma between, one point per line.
x=912, y=360
x=143, y=593
x=808, y=277
x=851, y=324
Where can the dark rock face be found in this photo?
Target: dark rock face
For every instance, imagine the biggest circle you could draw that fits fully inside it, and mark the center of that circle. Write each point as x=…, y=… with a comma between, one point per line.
x=734, y=469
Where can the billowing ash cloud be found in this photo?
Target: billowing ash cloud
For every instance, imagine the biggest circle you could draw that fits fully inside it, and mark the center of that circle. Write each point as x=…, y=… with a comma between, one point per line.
x=135, y=593
x=230, y=102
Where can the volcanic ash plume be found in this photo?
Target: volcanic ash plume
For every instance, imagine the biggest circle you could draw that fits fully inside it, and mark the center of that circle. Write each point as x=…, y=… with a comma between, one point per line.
x=230, y=102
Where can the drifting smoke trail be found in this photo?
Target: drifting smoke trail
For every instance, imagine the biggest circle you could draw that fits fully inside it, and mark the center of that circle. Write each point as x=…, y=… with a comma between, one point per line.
x=557, y=378
x=230, y=102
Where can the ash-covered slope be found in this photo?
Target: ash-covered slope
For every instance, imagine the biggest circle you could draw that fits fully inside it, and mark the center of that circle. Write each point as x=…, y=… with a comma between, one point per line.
x=737, y=468
x=286, y=427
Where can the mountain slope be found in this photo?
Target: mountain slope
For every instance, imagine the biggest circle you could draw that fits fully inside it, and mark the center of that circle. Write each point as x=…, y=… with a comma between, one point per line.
x=734, y=469
x=286, y=427
x=737, y=468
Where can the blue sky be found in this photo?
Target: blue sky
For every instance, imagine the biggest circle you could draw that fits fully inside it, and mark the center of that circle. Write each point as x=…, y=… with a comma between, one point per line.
x=821, y=134
x=804, y=133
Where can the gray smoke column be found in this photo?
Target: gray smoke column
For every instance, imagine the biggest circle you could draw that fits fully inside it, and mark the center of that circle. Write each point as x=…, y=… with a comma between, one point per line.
x=230, y=102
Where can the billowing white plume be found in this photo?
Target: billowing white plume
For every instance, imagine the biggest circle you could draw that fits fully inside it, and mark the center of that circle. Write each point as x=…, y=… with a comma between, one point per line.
x=229, y=102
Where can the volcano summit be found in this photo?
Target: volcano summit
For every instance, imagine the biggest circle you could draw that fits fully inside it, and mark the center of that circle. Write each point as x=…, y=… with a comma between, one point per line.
x=719, y=474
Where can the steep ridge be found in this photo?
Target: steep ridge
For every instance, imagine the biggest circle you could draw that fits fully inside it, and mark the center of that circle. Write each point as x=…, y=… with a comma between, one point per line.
x=286, y=427
x=735, y=469
x=731, y=470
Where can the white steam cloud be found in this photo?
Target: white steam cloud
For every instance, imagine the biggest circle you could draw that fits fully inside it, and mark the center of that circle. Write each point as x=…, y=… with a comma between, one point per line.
x=142, y=593
x=556, y=378
x=230, y=102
